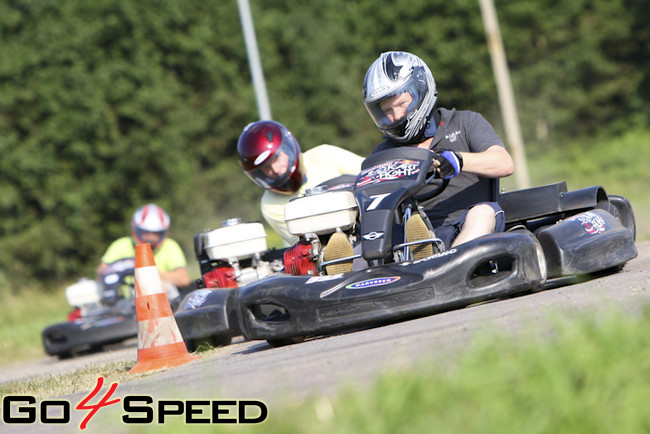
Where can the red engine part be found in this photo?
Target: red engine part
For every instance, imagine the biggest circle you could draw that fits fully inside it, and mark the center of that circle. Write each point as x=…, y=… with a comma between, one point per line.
x=299, y=259
x=74, y=314
x=222, y=276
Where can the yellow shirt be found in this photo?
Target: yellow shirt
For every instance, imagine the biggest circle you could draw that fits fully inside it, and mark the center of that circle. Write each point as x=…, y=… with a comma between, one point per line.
x=321, y=163
x=168, y=256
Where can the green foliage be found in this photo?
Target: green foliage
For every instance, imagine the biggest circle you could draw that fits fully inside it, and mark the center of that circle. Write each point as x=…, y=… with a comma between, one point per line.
x=108, y=104
x=577, y=67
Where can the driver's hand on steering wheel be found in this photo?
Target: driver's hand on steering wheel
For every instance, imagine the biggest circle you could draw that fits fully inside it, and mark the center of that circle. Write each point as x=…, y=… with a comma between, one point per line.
x=448, y=164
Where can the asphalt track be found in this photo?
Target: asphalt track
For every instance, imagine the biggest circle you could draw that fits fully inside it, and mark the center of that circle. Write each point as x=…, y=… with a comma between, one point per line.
x=286, y=376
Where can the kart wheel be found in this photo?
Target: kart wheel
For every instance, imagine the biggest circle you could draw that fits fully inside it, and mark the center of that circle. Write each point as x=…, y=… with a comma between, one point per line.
x=275, y=343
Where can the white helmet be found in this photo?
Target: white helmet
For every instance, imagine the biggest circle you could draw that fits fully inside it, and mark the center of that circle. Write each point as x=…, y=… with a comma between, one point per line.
x=150, y=218
x=394, y=73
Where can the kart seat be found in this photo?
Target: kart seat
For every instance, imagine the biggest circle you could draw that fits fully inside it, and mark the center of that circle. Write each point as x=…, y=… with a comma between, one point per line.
x=547, y=200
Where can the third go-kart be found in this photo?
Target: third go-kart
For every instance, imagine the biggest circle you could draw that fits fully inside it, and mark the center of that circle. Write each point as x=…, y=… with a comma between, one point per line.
x=103, y=313
x=229, y=257
x=551, y=234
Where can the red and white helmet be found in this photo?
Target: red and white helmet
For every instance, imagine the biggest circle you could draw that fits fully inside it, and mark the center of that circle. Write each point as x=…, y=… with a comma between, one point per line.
x=270, y=155
x=150, y=218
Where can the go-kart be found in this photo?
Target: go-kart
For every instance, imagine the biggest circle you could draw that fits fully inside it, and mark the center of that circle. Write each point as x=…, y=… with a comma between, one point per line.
x=103, y=313
x=229, y=257
x=551, y=234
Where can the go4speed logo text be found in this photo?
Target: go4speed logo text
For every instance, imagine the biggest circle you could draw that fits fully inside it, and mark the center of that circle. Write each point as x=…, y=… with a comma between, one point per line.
x=138, y=409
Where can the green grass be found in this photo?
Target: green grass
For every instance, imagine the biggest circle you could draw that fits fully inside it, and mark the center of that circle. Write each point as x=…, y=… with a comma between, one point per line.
x=22, y=318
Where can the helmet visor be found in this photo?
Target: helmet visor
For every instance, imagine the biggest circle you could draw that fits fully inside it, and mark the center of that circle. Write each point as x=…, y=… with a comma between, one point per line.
x=152, y=237
x=393, y=111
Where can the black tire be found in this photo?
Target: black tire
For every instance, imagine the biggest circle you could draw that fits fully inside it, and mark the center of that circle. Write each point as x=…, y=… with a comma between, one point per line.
x=276, y=343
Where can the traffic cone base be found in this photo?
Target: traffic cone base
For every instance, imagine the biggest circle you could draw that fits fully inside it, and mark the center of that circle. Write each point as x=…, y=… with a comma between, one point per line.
x=150, y=359
x=160, y=344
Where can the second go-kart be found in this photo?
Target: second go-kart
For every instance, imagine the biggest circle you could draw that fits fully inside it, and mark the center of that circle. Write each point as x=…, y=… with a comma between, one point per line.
x=229, y=257
x=355, y=267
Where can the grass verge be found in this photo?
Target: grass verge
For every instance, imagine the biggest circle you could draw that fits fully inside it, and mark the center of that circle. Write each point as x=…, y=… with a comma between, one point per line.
x=23, y=317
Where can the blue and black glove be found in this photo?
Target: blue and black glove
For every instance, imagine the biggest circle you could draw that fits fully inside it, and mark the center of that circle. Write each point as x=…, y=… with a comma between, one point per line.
x=451, y=163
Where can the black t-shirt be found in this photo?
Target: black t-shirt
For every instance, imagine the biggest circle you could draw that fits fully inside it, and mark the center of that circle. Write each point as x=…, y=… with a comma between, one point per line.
x=463, y=131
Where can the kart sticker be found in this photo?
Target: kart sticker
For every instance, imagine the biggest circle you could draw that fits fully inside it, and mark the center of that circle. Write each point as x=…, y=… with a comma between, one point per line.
x=197, y=298
x=102, y=322
x=388, y=171
x=370, y=236
x=437, y=255
x=378, y=281
x=108, y=321
x=591, y=222
x=112, y=278
x=316, y=279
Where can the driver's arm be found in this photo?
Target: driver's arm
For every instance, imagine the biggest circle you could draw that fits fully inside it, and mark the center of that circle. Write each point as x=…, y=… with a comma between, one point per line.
x=100, y=268
x=179, y=277
x=495, y=162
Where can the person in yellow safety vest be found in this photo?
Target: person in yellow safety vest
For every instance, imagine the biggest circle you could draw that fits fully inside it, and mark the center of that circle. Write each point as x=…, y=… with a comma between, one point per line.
x=150, y=224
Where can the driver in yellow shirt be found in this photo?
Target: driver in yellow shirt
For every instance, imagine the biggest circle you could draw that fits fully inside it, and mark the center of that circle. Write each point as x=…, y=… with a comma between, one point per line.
x=150, y=224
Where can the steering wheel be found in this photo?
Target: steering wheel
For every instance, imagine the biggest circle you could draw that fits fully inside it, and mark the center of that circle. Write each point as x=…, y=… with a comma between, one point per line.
x=433, y=193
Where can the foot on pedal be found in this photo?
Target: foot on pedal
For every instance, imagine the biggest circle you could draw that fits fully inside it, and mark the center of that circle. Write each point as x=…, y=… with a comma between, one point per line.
x=416, y=230
x=338, y=247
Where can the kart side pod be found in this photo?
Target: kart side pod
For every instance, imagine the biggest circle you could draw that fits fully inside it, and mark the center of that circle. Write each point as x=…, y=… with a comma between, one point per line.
x=586, y=243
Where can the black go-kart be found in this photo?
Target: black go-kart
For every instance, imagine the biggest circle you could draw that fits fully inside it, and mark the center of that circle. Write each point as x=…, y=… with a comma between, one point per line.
x=552, y=235
x=229, y=257
x=103, y=313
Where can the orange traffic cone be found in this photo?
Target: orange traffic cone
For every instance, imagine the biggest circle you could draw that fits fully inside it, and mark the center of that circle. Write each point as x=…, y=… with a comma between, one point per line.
x=160, y=344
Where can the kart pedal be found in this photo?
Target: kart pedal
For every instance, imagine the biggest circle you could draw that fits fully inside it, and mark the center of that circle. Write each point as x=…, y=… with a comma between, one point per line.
x=416, y=230
x=338, y=247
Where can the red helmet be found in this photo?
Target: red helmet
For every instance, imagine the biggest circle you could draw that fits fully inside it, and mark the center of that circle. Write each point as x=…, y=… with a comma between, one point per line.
x=150, y=224
x=270, y=156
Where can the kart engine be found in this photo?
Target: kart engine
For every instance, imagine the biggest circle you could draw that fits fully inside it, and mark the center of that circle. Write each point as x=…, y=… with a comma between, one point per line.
x=231, y=256
x=83, y=296
x=314, y=217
